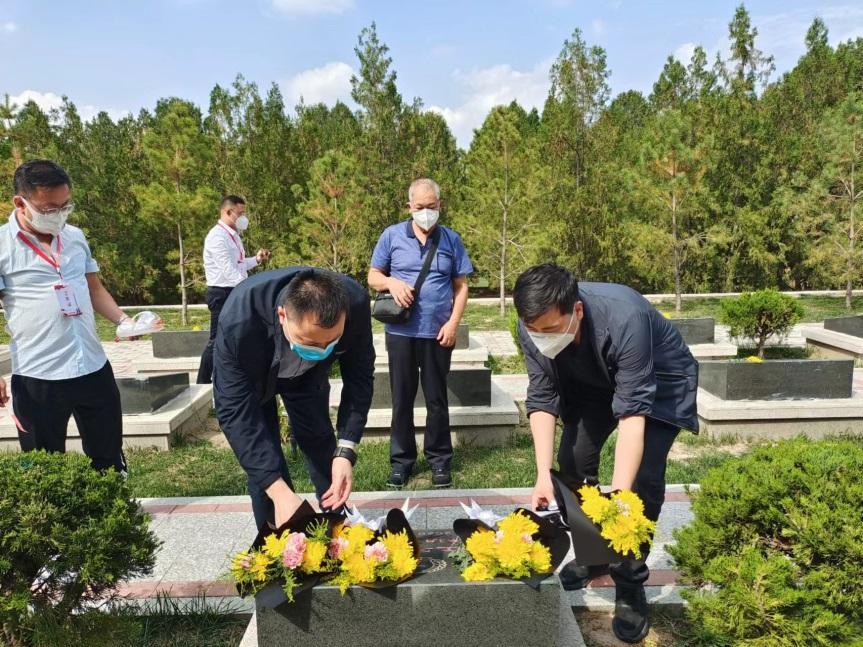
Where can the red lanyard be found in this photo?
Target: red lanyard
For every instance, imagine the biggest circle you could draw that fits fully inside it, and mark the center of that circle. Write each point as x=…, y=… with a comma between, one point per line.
x=236, y=242
x=53, y=262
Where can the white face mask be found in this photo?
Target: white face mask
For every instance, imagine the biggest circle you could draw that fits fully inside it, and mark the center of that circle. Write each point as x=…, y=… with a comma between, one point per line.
x=51, y=223
x=242, y=223
x=551, y=344
x=426, y=218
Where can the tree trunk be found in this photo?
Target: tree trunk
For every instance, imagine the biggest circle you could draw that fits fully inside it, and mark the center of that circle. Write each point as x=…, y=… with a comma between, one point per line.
x=850, y=269
x=183, y=301
x=677, y=297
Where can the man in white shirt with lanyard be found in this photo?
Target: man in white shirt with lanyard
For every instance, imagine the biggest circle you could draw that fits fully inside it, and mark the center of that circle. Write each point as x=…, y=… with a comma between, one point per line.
x=50, y=289
x=225, y=265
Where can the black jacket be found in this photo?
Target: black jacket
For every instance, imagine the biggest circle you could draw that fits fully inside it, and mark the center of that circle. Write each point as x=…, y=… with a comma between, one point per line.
x=641, y=355
x=246, y=362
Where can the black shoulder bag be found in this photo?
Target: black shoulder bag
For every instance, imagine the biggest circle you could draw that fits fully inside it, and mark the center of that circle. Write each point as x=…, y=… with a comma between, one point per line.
x=386, y=310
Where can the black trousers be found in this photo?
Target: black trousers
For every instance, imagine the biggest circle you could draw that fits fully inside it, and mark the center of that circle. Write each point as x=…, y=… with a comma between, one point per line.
x=578, y=458
x=43, y=407
x=307, y=402
x=216, y=298
x=414, y=360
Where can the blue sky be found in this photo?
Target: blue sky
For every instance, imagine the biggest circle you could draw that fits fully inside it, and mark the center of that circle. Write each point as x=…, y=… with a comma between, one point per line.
x=459, y=57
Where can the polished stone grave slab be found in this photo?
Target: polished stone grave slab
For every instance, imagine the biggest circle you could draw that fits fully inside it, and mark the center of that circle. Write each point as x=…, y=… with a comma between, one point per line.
x=490, y=425
x=852, y=325
x=695, y=330
x=180, y=343
x=437, y=607
x=466, y=386
x=831, y=344
x=186, y=414
x=148, y=393
x=779, y=379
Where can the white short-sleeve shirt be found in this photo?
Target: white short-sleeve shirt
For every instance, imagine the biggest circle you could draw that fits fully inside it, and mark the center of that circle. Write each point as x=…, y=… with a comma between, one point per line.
x=45, y=344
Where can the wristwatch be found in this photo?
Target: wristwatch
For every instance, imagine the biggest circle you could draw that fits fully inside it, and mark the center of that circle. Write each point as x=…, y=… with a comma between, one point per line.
x=346, y=452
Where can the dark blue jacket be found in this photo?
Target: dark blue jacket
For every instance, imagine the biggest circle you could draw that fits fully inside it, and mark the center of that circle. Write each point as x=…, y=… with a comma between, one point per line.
x=246, y=362
x=641, y=355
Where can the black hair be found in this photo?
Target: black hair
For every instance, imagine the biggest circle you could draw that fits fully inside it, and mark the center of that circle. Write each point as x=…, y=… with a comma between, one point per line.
x=232, y=200
x=39, y=173
x=543, y=287
x=319, y=292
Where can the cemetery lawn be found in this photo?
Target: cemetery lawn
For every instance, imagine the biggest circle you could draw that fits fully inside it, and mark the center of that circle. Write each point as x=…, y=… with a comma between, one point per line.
x=485, y=317
x=201, y=469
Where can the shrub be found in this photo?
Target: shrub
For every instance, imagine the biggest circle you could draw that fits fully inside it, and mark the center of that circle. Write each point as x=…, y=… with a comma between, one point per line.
x=760, y=315
x=68, y=535
x=775, y=549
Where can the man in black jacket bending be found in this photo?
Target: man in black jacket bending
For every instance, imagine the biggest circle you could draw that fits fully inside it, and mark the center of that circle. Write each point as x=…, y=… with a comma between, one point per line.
x=600, y=357
x=279, y=333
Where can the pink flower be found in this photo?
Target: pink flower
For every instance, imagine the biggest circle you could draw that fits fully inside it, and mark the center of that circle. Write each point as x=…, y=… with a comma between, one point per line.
x=292, y=556
x=337, y=545
x=377, y=551
x=246, y=562
x=526, y=538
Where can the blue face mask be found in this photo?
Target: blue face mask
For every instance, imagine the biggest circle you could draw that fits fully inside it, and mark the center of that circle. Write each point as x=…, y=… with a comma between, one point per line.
x=313, y=353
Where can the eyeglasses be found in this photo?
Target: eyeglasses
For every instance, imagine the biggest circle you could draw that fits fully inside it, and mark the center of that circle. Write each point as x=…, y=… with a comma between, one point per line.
x=60, y=212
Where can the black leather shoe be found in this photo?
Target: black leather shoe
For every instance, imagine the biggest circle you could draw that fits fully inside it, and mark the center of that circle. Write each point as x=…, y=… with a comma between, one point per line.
x=573, y=577
x=630, y=614
x=398, y=479
x=441, y=478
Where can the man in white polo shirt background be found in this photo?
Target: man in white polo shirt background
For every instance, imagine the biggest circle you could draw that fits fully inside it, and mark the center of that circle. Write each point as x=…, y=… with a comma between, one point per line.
x=225, y=266
x=50, y=289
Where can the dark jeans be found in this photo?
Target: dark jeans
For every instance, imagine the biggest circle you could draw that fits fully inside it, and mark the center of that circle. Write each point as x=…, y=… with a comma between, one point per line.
x=43, y=407
x=307, y=402
x=578, y=458
x=216, y=298
x=413, y=360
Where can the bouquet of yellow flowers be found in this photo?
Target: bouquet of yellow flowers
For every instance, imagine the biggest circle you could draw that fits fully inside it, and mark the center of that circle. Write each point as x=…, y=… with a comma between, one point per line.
x=520, y=545
x=282, y=562
x=605, y=527
x=374, y=554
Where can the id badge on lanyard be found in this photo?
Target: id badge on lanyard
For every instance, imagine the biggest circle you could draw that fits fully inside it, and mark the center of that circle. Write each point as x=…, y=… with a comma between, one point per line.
x=64, y=293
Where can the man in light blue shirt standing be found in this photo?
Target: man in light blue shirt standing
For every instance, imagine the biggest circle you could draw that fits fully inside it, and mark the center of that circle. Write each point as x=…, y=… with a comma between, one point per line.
x=420, y=349
x=50, y=289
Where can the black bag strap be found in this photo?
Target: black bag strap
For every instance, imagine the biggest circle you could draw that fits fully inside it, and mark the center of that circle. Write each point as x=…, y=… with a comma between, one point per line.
x=427, y=264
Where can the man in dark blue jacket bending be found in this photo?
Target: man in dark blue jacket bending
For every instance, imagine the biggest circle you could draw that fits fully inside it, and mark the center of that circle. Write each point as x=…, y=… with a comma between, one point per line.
x=600, y=357
x=279, y=333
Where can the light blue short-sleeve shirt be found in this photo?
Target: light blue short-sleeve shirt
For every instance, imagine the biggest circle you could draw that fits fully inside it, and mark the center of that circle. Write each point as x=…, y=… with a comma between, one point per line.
x=45, y=344
x=398, y=253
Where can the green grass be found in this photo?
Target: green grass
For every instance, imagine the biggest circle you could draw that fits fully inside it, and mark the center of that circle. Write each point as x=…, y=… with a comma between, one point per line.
x=164, y=622
x=503, y=365
x=203, y=470
x=814, y=308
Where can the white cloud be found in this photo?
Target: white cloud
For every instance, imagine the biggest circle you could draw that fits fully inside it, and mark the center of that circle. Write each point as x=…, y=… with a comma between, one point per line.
x=326, y=84
x=48, y=101
x=8, y=26
x=310, y=7
x=684, y=53
x=485, y=88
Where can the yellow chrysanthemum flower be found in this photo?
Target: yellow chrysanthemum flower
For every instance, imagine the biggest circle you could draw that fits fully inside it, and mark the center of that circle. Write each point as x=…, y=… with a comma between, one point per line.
x=274, y=546
x=338, y=529
x=258, y=567
x=754, y=359
x=358, y=536
x=238, y=571
x=359, y=568
x=540, y=558
x=477, y=572
x=401, y=552
x=513, y=552
x=594, y=504
x=517, y=523
x=313, y=556
x=628, y=503
x=481, y=545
